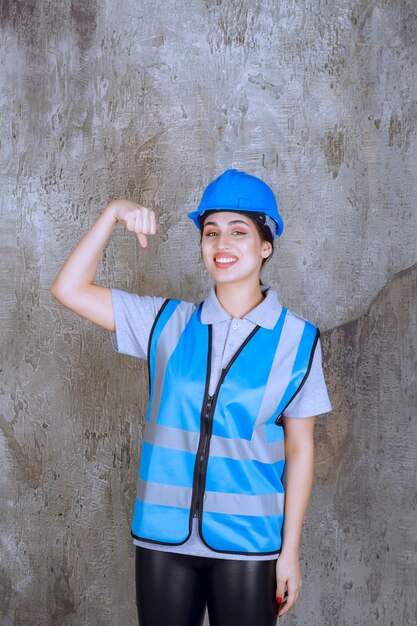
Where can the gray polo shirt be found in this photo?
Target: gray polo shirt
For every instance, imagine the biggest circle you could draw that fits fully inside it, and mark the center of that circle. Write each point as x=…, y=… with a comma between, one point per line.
x=134, y=316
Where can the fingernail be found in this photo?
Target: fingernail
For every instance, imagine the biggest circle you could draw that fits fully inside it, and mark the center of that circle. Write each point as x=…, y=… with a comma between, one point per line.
x=279, y=600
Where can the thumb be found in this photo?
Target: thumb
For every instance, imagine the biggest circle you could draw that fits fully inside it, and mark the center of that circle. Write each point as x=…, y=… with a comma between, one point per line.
x=142, y=240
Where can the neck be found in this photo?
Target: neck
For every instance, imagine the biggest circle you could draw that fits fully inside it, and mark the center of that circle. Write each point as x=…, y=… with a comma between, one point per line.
x=239, y=299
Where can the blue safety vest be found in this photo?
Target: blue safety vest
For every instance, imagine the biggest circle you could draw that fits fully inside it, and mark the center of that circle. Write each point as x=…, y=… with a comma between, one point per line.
x=219, y=458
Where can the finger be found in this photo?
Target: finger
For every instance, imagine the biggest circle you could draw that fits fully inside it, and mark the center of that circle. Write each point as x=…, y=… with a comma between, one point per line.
x=138, y=223
x=280, y=591
x=145, y=221
x=142, y=240
x=130, y=222
x=288, y=603
x=153, y=223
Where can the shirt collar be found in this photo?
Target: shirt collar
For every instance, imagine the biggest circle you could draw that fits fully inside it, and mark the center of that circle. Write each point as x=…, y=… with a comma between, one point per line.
x=265, y=314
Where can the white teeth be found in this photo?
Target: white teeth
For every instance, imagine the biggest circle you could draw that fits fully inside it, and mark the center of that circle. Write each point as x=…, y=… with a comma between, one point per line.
x=225, y=260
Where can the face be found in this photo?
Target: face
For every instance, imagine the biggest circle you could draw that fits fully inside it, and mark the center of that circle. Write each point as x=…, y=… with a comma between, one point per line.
x=231, y=247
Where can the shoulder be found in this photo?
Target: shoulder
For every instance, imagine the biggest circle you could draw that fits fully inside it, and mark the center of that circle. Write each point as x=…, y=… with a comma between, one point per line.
x=183, y=304
x=156, y=302
x=176, y=310
x=135, y=304
x=301, y=321
x=273, y=305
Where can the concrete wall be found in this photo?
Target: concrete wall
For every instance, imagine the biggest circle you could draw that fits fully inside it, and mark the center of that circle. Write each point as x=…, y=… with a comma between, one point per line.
x=151, y=100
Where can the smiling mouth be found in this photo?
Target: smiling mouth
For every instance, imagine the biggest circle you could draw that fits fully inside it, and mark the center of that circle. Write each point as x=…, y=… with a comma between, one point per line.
x=224, y=261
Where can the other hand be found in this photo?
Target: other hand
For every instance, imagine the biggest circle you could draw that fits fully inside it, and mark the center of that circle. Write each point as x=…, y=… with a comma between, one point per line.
x=288, y=576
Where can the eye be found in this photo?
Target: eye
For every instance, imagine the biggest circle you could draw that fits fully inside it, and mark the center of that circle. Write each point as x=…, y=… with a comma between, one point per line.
x=238, y=232
x=209, y=234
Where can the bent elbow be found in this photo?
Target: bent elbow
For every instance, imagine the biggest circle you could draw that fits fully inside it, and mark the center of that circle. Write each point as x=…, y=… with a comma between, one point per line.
x=56, y=291
x=61, y=295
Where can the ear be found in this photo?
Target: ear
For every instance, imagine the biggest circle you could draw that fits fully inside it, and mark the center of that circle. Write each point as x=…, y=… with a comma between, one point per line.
x=266, y=249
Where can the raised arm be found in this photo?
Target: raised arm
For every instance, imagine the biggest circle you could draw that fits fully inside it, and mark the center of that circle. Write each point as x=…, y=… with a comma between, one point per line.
x=74, y=284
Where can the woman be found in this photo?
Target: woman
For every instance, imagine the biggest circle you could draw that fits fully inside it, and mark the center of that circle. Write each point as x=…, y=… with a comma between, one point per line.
x=230, y=378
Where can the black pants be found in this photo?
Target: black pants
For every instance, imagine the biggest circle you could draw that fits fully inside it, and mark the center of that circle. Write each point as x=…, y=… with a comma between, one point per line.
x=173, y=588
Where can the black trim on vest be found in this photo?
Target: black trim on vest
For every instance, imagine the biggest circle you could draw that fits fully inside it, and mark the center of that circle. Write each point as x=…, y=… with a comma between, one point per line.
x=158, y=315
x=279, y=419
x=164, y=543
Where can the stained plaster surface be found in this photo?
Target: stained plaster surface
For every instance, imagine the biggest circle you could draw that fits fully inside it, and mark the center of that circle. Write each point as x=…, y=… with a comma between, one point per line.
x=151, y=101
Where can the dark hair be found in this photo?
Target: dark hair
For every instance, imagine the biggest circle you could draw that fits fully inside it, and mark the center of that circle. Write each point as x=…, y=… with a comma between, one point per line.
x=263, y=230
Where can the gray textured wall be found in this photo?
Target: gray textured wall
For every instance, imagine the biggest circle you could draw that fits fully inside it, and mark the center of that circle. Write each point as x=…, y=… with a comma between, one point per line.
x=151, y=101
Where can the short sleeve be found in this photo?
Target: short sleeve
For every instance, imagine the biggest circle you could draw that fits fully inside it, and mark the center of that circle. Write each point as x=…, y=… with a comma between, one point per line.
x=134, y=316
x=312, y=399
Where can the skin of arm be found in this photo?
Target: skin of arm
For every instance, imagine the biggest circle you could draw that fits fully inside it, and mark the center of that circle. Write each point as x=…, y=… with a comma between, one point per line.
x=299, y=473
x=74, y=284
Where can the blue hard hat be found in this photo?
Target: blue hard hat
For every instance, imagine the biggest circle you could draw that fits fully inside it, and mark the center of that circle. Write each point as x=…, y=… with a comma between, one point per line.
x=237, y=191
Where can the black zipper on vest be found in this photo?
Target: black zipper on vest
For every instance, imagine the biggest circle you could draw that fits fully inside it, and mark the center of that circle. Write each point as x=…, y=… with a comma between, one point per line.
x=207, y=412
x=202, y=452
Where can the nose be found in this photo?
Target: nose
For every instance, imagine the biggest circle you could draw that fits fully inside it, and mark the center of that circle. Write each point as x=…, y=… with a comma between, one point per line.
x=223, y=241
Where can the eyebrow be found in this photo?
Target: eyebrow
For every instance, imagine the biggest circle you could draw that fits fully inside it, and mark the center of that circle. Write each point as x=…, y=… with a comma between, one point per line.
x=231, y=222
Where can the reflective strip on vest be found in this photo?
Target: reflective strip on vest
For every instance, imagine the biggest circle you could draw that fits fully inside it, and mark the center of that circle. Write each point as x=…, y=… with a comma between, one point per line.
x=243, y=502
